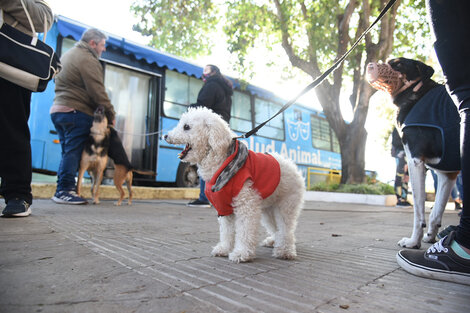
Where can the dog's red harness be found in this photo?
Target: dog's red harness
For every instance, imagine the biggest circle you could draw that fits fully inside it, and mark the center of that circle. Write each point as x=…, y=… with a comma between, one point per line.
x=263, y=169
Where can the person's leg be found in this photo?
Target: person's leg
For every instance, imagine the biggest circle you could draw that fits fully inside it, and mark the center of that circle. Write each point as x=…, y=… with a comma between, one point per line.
x=202, y=201
x=450, y=24
x=73, y=129
x=202, y=194
x=463, y=231
x=434, y=179
x=15, y=157
x=456, y=197
x=404, y=182
x=454, y=193
x=401, y=187
x=459, y=186
x=398, y=179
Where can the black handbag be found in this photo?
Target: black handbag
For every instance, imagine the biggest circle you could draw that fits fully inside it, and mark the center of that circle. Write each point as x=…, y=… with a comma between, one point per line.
x=25, y=60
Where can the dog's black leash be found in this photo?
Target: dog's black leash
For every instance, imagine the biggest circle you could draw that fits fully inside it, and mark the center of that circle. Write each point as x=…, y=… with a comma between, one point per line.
x=319, y=79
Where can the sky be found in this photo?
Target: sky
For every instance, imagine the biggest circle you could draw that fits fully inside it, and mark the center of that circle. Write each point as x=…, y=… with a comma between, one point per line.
x=112, y=16
x=115, y=17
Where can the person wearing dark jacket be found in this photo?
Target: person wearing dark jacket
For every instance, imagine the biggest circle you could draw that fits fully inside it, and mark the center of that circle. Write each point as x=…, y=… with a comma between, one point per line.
x=215, y=94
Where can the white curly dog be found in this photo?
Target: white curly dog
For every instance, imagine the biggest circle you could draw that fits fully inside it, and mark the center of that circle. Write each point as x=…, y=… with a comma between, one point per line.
x=209, y=144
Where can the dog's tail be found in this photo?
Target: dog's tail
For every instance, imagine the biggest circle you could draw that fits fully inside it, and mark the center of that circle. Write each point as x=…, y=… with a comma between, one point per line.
x=150, y=173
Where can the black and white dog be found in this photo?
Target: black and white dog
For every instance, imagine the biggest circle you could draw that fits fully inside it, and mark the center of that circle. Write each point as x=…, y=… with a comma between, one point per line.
x=429, y=124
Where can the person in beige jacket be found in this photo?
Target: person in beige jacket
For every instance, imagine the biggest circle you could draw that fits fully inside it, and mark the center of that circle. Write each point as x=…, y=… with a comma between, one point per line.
x=79, y=91
x=15, y=155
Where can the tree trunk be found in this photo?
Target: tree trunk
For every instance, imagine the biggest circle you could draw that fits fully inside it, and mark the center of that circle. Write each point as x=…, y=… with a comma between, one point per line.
x=352, y=137
x=353, y=155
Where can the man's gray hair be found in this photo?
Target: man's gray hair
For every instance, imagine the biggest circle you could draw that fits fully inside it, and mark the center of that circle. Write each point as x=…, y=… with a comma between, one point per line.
x=93, y=34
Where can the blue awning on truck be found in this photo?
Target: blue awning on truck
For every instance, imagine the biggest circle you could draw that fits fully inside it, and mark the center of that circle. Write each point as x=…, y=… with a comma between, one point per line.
x=68, y=27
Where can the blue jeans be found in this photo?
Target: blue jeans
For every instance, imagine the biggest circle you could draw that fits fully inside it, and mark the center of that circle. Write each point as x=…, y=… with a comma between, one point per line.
x=73, y=129
x=202, y=194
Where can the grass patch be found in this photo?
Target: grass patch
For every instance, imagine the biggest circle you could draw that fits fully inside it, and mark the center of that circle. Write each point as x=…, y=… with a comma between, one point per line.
x=377, y=188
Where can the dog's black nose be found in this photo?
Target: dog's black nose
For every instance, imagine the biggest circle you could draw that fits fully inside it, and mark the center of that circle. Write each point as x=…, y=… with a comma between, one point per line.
x=165, y=137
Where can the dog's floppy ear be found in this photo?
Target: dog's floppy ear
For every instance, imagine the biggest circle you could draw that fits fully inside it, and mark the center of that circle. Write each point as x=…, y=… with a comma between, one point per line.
x=220, y=135
x=425, y=71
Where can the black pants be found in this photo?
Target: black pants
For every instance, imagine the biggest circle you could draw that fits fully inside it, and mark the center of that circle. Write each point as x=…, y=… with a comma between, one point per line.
x=451, y=26
x=15, y=154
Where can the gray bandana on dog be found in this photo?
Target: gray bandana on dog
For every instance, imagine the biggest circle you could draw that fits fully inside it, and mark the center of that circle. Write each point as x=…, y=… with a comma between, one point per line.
x=233, y=166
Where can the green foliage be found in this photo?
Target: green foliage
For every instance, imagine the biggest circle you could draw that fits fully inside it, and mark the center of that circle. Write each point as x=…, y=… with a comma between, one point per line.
x=377, y=188
x=412, y=33
x=180, y=27
x=254, y=23
x=191, y=28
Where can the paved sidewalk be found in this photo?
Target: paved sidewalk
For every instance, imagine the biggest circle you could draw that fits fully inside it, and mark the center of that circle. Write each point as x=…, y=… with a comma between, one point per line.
x=155, y=257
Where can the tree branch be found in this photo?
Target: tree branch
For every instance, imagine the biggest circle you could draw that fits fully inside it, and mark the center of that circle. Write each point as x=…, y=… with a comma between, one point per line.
x=343, y=42
x=312, y=51
x=286, y=43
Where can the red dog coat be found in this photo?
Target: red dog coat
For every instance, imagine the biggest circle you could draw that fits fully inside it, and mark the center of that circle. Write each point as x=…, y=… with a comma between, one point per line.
x=263, y=169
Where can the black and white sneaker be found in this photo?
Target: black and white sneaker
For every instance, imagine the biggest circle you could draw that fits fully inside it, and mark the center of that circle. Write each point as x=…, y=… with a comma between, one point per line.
x=199, y=204
x=438, y=262
x=16, y=208
x=68, y=197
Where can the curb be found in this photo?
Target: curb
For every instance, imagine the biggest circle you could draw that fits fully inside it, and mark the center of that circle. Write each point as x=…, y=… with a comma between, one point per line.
x=46, y=191
x=384, y=200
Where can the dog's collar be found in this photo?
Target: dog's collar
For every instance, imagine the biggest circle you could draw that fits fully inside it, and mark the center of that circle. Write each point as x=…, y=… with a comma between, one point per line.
x=418, y=86
x=407, y=84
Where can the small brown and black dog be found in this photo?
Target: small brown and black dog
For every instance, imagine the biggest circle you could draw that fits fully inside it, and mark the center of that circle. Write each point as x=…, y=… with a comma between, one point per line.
x=95, y=153
x=103, y=140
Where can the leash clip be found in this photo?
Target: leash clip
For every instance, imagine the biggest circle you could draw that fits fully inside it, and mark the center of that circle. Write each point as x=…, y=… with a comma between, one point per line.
x=239, y=137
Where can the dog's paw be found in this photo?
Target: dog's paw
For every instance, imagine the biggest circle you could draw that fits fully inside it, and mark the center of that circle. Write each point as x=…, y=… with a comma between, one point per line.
x=117, y=203
x=409, y=243
x=429, y=238
x=268, y=242
x=220, y=250
x=240, y=257
x=284, y=253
